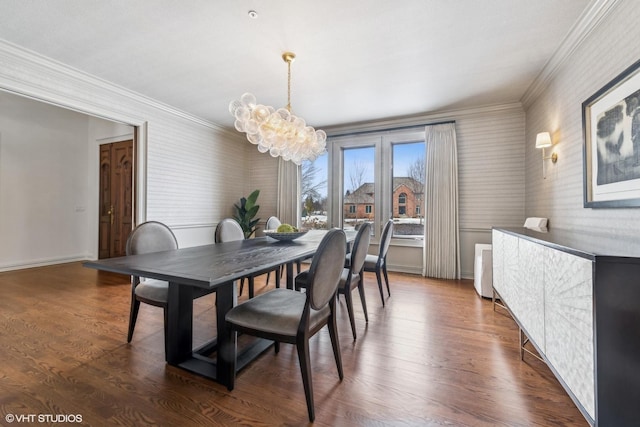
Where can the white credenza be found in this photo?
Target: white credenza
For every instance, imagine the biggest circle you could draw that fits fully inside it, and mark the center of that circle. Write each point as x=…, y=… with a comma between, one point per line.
x=549, y=293
x=580, y=309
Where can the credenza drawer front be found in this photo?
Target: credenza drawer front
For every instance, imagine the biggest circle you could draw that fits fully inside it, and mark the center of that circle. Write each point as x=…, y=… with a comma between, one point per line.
x=569, y=322
x=510, y=273
x=529, y=291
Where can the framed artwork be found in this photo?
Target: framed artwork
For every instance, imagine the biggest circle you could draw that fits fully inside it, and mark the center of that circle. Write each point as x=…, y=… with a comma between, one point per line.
x=611, y=128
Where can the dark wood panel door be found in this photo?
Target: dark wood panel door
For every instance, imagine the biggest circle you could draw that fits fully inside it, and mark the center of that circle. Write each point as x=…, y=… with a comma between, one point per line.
x=116, y=198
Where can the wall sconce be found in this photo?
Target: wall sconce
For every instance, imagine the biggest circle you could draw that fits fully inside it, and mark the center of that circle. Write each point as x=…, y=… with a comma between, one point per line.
x=543, y=140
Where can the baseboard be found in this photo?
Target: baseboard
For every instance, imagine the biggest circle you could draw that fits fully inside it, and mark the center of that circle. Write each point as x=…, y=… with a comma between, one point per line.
x=404, y=269
x=43, y=262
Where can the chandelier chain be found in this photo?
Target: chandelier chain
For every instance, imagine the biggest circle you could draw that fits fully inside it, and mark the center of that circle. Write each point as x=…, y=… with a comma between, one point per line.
x=289, y=85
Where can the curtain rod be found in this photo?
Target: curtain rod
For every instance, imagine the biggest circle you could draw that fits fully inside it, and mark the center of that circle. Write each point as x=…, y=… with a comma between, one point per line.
x=362, y=132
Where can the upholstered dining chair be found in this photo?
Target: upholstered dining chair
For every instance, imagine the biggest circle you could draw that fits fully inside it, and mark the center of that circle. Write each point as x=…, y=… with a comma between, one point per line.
x=378, y=263
x=151, y=236
x=288, y=316
x=352, y=276
x=272, y=224
x=229, y=230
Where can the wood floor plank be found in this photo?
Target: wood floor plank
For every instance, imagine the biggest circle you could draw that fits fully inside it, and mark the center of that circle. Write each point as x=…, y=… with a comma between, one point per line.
x=436, y=354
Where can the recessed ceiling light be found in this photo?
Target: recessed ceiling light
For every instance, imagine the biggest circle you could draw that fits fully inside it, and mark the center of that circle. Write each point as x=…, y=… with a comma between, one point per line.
x=253, y=14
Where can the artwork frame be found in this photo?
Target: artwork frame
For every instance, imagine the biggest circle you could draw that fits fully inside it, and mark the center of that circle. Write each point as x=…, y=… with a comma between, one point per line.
x=611, y=148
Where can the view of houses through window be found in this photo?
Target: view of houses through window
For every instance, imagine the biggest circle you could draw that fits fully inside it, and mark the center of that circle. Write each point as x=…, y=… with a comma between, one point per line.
x=352, y=176
x=408, y=188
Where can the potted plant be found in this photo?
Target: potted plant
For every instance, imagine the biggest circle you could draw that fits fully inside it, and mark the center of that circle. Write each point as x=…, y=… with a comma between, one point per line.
x=246, y=210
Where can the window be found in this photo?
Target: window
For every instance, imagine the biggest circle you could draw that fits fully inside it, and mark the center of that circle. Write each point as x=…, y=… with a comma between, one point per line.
x=408, y=188
x=313, y=191
x=376, y=176
x=358, y=186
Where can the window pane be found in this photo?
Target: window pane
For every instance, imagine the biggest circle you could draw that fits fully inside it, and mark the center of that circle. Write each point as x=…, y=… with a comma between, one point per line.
x=314, y=193
x=408, y=189
x=358, y=186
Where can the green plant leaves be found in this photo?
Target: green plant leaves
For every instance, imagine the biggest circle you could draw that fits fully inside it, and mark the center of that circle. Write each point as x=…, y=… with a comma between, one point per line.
x=245, y=213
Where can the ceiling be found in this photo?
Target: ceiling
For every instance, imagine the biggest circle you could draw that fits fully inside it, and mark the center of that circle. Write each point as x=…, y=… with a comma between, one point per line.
x=356, y=61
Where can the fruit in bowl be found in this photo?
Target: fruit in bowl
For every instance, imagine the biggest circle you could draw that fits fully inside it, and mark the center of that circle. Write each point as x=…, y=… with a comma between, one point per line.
x=285, y=232
x=286, y=228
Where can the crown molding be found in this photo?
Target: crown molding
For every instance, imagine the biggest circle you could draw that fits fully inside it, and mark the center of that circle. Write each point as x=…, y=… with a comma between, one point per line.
x=30, y=74
x=421, y=119
x=590, y=19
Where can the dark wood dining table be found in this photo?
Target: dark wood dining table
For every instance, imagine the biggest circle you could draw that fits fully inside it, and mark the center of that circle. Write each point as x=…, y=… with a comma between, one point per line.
x=216, y=267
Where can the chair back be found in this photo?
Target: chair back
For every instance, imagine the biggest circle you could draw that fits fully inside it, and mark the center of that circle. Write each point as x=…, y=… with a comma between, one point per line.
x=228, y=230
x=151, y=236
x=360, y=248
x=273, y=223
x=326, y=268
x=385, y=240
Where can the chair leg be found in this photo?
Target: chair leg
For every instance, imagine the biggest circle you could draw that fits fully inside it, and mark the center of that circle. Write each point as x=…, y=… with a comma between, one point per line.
x=363, y=300
x=380, y=285
x=133, y=316
x=241, y=286
x=333, y=334
x=251, y=289
x=165, y=313
x=278, y=274
x=352, y=320
x=305, y=369
x=386, y=277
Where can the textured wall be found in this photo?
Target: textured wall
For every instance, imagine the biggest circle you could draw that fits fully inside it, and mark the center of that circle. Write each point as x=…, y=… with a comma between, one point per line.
x=190, y=172
x=604, y=53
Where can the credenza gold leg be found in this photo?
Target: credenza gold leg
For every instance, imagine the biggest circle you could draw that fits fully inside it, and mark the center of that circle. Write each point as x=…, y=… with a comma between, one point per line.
x=524, y=340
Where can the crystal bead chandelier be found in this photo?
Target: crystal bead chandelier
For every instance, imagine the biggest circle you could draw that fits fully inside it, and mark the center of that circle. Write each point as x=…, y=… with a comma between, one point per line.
x=278, y=131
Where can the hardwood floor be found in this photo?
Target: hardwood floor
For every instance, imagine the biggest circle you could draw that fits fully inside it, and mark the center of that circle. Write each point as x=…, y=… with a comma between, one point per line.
x=437, y=354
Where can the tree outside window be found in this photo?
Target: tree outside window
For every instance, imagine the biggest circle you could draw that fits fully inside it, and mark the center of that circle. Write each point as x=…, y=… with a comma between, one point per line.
x=314, y=193
x=358, y=186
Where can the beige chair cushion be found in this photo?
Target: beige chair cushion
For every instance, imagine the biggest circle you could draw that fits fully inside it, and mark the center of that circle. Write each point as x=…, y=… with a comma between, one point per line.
x=277, y=311
x=154, y=290
x=370, y=262
x=302, y=279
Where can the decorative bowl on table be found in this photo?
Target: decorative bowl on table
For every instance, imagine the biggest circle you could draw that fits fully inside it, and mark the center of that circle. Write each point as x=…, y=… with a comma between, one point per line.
x=284, y=236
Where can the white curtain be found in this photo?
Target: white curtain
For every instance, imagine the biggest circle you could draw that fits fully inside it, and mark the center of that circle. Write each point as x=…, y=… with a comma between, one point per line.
x=287, y=209
x=441, y=256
